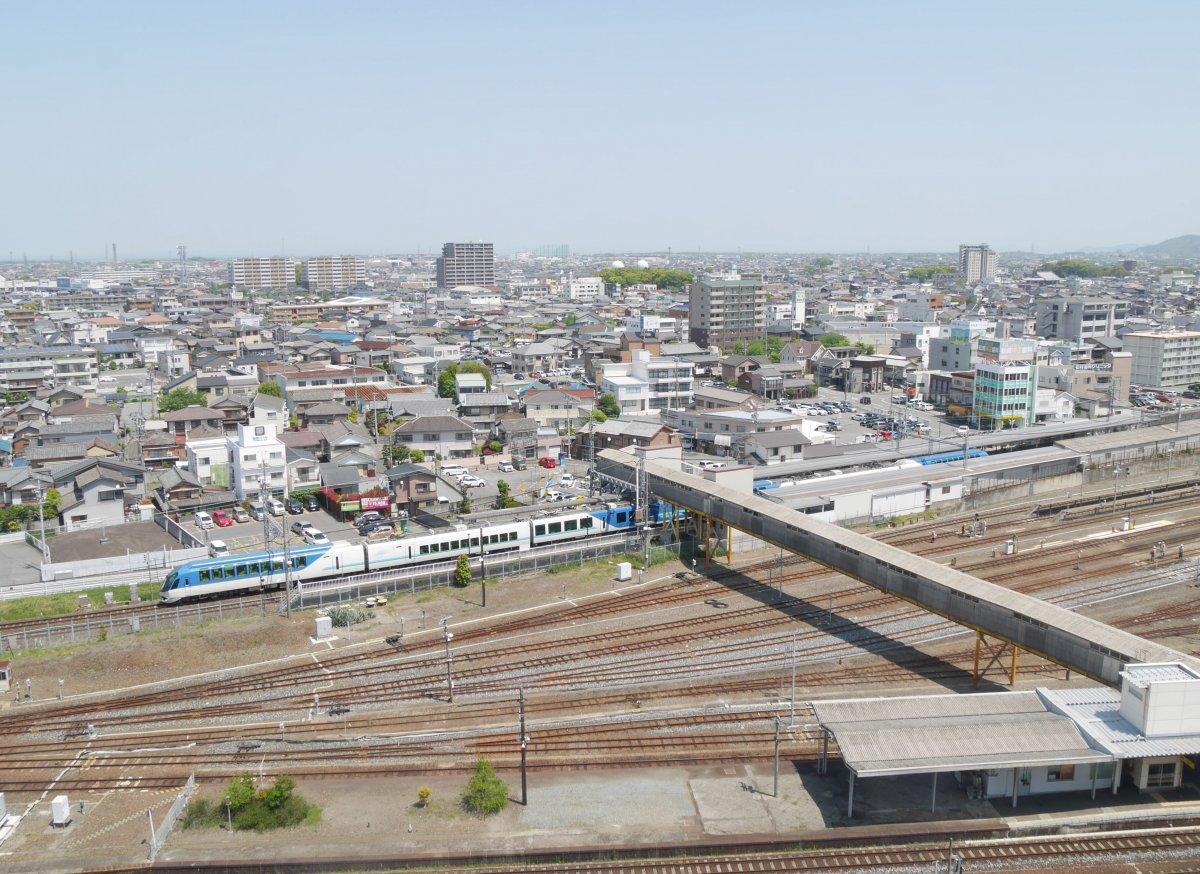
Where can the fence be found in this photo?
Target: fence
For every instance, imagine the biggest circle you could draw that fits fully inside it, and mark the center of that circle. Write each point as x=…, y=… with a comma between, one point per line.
x=169, y=525
x=492, y=567
x=84, y=627
x=158, y=836
x=132, y=563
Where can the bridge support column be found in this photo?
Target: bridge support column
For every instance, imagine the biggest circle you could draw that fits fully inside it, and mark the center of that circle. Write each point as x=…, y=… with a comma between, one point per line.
x=1012, y=668
x=729, y=545
x=975, y=668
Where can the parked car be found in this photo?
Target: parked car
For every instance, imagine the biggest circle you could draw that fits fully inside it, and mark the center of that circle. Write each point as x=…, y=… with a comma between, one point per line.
x=506, y=467
x=374, y=526
x=203, y=520
x=240, y=514
x=217, y=548
x=368, y=517
x=452, y=470
x=314, y=536
x=298, y=527
x=566, y=480
x=222, y=518
x=519, y=463
x=547, y=462
x=275, y=506
x=552, y=495
x=294, y=507
x=311, y=503
x=864, y=400
x=258, y=510
x=471, y=482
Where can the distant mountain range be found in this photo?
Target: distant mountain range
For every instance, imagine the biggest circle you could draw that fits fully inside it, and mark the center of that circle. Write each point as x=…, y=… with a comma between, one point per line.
x=1187, y=246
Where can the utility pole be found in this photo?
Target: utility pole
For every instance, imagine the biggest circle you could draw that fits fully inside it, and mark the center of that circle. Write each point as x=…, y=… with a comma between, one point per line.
x=524, y=740
x=775, y=791
x=42, y=523
x=449, y=636
x=793, y=719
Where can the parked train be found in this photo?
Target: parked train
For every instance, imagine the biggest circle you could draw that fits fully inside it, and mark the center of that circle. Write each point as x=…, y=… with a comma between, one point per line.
x=255, y=571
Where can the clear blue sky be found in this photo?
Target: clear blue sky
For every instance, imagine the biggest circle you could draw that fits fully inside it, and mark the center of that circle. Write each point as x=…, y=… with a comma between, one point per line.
x=256, y=127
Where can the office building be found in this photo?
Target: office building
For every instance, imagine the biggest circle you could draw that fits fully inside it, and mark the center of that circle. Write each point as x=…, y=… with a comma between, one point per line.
x=976, y=263
x=329, y=272
x=725, y=309
x=1005, y=383
x=466, y=264
x=1070, y=318
x=262, y=272
x=1164, y=359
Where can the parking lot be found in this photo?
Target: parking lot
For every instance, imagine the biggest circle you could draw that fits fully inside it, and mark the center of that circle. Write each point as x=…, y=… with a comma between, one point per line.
x=525, y=485
x=250, y=535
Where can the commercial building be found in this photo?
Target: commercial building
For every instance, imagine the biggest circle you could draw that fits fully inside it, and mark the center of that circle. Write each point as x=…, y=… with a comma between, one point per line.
x=1070, y=318
x=262, y=272
x=466, y=264
x=725, y=309
x=338, y=271
x=1005, y=383
x=976, y=263
x=1164, y=359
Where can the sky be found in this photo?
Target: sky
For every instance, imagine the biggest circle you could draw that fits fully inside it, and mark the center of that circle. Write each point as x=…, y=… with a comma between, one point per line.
x=354, y=127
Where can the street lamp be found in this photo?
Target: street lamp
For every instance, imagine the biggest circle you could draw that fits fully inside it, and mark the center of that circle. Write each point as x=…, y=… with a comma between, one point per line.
x=965, y=433
x=449, y=636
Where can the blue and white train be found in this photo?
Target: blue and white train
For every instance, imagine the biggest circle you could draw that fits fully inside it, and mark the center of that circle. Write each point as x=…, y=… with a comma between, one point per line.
x=256, y=571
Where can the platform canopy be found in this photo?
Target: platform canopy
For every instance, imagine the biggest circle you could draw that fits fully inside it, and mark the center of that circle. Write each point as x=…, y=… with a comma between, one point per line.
x=925, y=734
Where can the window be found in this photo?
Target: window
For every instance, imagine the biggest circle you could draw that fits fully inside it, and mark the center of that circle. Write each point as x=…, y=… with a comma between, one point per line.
x=204, y=576
x=425, y=549
x=110, y=495
x=241, y=570
x=253, y=568
x=555, y=527
x=1060, y=773
x=585, y=523
x=300, y=561
x=1160, y=774
x=539, y=530
x=474, y=541
x=570, y=525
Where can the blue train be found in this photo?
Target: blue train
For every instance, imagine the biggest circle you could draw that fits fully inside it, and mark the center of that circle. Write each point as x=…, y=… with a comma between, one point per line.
x=942, y=457
x=256, y=571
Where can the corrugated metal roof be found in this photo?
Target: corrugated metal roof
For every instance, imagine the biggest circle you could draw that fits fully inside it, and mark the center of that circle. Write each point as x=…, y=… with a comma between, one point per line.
x=1097, y=712
x=929, y=733
x=1172, y=673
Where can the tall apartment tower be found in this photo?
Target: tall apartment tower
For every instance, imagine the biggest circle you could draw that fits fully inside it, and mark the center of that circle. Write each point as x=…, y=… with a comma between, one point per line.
x=725, y=309
x=466, y=264
x=976, y=263
x=336, y=271
x=262, y=272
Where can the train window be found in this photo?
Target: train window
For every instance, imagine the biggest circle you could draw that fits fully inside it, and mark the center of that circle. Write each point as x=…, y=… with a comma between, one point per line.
x=555, y=527
x=539, y=530
x=302, y=561
x=204, y=576
x=241, y=570
x=622, y=517
x=217, y=573
x=509, y=535
x=585, y=522
x=474, y=541
x=571, y=525
x=278, y=566
x=253, y=568
x=424, y=549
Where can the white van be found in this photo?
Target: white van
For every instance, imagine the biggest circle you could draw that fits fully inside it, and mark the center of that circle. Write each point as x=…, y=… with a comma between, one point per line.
x=217, y=548
x=203, y=520
x=275, y=506
x=258, y=511
x=453, y=470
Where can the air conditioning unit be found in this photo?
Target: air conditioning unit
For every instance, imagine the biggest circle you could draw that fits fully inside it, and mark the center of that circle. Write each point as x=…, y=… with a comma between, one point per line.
x=60, y=812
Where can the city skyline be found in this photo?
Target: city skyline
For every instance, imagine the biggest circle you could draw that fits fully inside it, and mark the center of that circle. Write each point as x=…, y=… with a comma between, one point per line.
x=246, y=131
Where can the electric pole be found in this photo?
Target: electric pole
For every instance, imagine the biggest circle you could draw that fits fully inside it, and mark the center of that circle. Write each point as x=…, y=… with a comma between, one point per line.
x=524, y=739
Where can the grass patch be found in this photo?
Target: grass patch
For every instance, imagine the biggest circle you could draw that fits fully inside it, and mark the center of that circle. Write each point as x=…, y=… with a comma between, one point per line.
x=64, y=603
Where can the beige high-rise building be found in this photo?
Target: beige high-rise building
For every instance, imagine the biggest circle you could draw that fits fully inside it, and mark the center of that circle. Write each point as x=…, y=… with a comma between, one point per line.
x=725, y=309
x=976, y=263
x=262, y=272
x=466, y=264
x=333, y=271
x=1164, y=359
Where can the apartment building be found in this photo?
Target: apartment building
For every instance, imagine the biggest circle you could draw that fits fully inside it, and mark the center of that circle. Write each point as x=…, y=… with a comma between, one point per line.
x=585, y=289
x=1073, y=318
x=29, y=368
x=257, y=458
x=1164, y=359
x=262, y=272
x=647, y=383
x=1005, y=393
x=333, y=271
x=976, y=264
x=291, y=377
x=466, y=264
x=725, y=309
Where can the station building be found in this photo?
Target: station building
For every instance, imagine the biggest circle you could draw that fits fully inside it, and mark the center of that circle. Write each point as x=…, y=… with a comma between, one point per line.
x=1006, y=745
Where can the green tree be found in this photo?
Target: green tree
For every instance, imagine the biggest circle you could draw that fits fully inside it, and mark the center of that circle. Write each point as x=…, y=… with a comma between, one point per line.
x=928, y=271
x=16, y=397
x=423, y=795
x=834, y=340
x=353, y=417
x=598, y=416
x=446, y=386
x=660, y=276
x=738, y=348
x=52, y=503
x=400, y=453
x=462, y=572
x=486, y=793
x=608, y=406
x=417, y=456
x=570, y=320
x=240, y=792
x=178, y=398
x=1083, y=267
x=464, y=507
x=268, y=387
x=280, y=792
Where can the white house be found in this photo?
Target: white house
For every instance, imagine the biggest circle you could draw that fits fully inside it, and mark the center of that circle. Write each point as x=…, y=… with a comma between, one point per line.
x=256, y=453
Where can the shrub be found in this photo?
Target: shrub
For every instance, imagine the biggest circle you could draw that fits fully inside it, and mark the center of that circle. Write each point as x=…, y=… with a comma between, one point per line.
x=486, y=793
x=240, y=792
x=249, y=810
x=462, y=572
x=343, y=617
x=423, y=796
x=198, y=814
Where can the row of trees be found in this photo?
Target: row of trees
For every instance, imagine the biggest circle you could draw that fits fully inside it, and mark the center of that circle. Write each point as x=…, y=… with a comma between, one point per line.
x=662, y=277
x=928, y=271
x=1083, y=267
